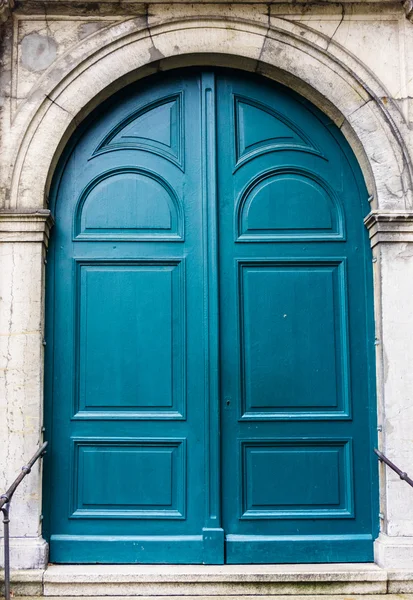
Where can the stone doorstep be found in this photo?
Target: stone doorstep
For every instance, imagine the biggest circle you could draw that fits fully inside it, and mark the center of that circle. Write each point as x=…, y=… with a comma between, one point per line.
x=215, y=582
x=228, y=580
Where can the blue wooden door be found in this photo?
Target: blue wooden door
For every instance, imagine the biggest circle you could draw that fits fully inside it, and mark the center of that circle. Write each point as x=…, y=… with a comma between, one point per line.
x=209, y=332
x=128, y=382
x=296, y=336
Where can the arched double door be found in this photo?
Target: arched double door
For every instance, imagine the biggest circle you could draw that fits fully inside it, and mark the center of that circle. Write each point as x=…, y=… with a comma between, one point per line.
x=209, y=332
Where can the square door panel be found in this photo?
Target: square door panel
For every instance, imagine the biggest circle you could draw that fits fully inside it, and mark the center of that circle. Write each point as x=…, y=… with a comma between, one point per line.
x=131, y=340
x=296, y=479
x=293, y=337
x=128, y=478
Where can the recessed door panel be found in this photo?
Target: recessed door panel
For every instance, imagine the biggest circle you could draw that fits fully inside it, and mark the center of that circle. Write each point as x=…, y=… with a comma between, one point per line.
x=129, y=203
x=129, y=478
x=284, y=331
x=131, y=338
x=309, y=479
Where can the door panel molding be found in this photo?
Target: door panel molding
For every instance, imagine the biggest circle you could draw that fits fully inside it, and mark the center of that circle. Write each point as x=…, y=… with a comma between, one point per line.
x=334, y=271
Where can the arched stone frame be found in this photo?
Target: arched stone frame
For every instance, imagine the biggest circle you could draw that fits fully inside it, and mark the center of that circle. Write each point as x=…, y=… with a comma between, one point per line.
x=308, y=62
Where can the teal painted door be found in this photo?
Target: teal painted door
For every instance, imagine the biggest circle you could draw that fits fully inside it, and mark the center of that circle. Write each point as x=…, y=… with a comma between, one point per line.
x=295, y=299
x=209, y=332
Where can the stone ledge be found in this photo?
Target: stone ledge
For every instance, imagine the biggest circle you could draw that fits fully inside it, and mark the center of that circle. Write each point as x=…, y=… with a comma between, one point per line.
x=400, y=582
x=33, y=226
x=25, y=582
x=389, y=227
x=206, y=580
x=215, y=573
x=364, y=581
x=215, y=589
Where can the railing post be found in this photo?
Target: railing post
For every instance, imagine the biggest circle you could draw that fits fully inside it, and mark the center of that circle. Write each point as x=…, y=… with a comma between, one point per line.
x=6, y=520
x=5, y=500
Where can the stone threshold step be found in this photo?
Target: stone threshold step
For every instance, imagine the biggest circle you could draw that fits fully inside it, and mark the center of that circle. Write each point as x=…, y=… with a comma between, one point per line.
x=204, y=581
x=214, y=573
x=208, y=580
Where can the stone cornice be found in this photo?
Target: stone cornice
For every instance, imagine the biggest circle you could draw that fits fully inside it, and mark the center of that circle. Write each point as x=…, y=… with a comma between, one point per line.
x=70, y=6
x=24, y=5
x=389, y=227
x=27, y=226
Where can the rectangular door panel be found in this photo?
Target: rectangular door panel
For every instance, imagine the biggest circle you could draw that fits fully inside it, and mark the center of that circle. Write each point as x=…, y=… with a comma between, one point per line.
x=129, y=478
x=131, y=339
x=309, y=479
x=293, y=319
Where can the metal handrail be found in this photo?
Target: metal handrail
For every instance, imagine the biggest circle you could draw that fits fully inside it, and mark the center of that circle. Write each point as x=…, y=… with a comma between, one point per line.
x=5, y=500
x=396, y=469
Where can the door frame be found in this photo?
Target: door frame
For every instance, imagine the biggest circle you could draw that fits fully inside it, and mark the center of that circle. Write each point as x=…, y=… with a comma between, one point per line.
x=334, y=80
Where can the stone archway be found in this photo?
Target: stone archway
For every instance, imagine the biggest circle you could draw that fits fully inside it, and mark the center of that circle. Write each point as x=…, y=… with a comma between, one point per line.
x=310, y=63
x=322, y=71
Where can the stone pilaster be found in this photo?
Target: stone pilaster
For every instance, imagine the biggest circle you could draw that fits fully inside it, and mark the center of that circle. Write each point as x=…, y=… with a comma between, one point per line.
x=391, y=235
x=23, y=239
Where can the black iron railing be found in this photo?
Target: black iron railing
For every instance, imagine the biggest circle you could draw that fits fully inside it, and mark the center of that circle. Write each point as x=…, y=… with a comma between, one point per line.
x=396, y=469
x=5, y=500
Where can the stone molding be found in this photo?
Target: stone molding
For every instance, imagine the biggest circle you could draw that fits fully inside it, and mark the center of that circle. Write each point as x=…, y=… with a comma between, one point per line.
x=335, y=81
x=33, y=226
x=388, y=227
x=7, y=6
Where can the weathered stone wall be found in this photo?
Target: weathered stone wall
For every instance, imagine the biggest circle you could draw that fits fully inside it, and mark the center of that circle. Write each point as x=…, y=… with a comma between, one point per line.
x=59, y=60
